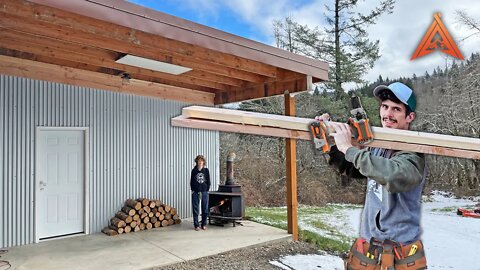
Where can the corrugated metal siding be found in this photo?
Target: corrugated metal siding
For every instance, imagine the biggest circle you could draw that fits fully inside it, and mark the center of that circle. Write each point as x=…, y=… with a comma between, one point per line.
x=133, y=150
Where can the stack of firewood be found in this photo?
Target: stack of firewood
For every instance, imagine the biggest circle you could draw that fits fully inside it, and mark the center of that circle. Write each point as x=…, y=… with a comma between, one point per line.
x=140, y=214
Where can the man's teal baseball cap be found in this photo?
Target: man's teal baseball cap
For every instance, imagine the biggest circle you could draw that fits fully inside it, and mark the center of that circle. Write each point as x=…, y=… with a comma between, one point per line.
x=401, y=91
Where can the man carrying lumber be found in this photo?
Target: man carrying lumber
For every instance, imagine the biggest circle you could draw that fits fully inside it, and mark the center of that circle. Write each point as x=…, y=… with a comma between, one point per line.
x=390, y=223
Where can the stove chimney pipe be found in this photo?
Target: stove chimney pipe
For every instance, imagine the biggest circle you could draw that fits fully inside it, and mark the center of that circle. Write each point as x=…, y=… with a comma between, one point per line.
x=230, y=179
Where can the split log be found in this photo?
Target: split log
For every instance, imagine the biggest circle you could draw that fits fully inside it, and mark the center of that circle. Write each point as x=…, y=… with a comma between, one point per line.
x=127, y=229
x=118, y=230
x=142, y=226
x=125, y=217
x=173, y=211
x=130, y=211
x=142, y=216
x=144, y=201
x=146, y=219
x=136, y=229
x=147, y=209
x=178, y=221
x=157, y=224
x=171, y=222
x=109, y=231
x=151, y=214
x=151, y=204
x=158, y=203
x=136, y=217
x=133, y=224
x=133, y=204
x=149, y=226
x=117, y=222
x=164, y=223
x=141, y=211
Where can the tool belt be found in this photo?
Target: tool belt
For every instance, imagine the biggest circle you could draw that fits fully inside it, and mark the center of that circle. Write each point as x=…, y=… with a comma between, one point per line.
x=385, y=255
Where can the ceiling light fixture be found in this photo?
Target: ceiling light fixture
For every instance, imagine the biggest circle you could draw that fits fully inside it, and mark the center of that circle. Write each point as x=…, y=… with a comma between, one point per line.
x=137, y=61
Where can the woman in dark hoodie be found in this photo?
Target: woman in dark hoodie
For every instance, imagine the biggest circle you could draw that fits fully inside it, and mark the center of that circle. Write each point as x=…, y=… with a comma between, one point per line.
x=200, y=184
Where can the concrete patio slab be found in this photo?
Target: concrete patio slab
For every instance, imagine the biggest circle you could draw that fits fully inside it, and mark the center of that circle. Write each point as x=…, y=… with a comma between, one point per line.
x=140, y=250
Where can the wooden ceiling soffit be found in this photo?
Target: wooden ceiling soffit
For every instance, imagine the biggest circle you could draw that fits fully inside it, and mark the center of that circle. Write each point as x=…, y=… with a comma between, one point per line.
x=160, y=24
x=58, y=56
x=106, y=58
x=41, y=29
x=61, y=74
x=86, y=30
x=292, y=85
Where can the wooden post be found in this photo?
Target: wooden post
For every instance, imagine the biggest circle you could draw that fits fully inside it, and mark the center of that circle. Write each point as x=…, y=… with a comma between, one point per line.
x=291, y=161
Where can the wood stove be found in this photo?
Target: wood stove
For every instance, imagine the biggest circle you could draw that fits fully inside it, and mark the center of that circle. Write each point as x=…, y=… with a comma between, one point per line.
x=227, y=204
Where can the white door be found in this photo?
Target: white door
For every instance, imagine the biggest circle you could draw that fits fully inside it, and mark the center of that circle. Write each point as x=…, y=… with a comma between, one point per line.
x=60, y=183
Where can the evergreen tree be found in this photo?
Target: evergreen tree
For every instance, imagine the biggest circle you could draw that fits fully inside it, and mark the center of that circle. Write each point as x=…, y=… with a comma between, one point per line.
x=427, y=76
x=344, y=43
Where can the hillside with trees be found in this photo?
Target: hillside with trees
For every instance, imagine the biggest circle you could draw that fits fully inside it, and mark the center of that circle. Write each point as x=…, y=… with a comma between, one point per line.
x=448, y=102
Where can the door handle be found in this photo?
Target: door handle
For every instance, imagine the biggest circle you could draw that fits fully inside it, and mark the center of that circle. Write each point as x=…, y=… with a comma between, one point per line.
x=42, y=185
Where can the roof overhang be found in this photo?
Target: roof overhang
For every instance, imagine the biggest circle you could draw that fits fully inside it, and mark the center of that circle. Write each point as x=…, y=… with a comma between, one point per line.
x=82, y=39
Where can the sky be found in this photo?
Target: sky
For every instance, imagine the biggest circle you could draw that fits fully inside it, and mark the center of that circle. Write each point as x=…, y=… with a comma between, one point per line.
x=399, y=33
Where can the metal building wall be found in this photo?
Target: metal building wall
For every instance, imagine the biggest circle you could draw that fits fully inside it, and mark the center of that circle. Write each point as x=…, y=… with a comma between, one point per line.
x=133, y=150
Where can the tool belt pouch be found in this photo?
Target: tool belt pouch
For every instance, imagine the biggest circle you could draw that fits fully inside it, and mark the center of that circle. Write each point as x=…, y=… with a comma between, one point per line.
x=387, y=260
x=416, y=261
x=357, y=260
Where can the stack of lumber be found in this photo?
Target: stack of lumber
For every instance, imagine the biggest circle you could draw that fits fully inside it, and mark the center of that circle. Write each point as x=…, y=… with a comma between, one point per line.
x=298, y=128
x=140, y=214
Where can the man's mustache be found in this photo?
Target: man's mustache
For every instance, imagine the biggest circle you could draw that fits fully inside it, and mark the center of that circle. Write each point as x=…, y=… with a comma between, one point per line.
x=390, y=119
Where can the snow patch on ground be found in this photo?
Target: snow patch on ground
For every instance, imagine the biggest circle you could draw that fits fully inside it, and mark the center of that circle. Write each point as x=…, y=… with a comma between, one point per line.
x=451, y=241
x=309, y=262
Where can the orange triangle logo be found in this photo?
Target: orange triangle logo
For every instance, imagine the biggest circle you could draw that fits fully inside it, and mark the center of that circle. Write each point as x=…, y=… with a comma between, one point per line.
x=437, y=38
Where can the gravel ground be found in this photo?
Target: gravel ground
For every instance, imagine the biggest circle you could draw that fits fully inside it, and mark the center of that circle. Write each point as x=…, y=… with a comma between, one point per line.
x=257, y=257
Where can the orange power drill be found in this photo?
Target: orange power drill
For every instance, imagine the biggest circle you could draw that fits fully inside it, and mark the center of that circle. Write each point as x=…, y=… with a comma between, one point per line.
x=362, y=132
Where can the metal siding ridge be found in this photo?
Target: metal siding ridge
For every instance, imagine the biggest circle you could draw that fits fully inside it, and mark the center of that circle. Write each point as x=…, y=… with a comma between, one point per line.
x=13, y=202
x=22, y=163
x=30, y=155
x=2, y=154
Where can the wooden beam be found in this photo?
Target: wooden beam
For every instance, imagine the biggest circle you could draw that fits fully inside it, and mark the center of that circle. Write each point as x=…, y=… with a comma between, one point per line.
x=183, y=121
x=302, y=124
x=291, y=173
x=298, y=84
x=86, y=26
x=55, y=73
